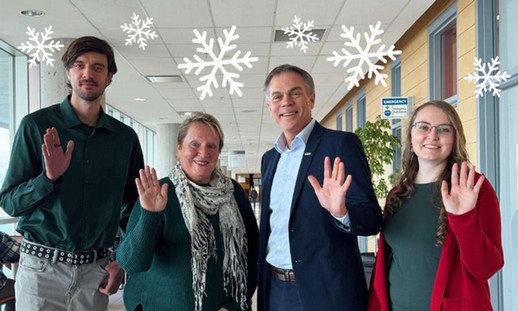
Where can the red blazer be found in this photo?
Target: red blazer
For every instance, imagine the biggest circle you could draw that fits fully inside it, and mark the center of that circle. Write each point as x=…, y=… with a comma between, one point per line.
x=471, y=254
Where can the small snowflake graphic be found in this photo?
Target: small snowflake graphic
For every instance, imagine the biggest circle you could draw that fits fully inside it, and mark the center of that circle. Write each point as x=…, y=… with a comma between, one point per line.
x=300, y=34
x=365, y=56
x=38, y=46
x=217, y=62
x=139, y=31
x=491, y=78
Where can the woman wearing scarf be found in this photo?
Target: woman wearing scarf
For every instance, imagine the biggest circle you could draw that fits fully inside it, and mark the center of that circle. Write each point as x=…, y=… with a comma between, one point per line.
x=191, y=242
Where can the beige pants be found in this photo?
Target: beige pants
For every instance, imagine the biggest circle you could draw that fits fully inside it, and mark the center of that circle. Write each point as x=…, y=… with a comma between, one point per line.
x=43, y=285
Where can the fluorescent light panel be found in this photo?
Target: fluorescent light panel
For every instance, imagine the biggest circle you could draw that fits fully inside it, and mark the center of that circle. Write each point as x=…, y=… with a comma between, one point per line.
x=165, y=79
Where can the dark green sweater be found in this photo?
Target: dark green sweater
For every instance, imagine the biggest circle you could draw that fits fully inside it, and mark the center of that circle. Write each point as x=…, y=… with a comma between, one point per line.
x=414, y=257
x=156, y=252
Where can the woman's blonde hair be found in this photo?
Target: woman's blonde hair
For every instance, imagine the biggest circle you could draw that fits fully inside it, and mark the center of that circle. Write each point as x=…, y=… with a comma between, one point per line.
x=405, y=185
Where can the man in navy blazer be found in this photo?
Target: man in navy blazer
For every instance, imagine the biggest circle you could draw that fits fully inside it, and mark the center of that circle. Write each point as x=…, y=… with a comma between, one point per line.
x=312, y=212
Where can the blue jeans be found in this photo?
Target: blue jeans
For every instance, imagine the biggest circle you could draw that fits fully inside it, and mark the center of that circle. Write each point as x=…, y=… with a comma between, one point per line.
x=284, y=296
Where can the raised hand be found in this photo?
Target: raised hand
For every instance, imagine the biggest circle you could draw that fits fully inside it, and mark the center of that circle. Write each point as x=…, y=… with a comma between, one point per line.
x=464, y=192
x=152, y=197
x=332, y=193
x=56, y=160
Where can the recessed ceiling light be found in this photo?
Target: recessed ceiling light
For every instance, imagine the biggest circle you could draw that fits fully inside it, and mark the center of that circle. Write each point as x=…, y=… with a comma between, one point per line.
x=248, y=110
x=164, y=79
x=185, y=114
x=32, y=13
x=139, y=99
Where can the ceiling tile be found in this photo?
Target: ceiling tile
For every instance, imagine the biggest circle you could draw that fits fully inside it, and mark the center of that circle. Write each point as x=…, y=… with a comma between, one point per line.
x=184, y=35
x=252, y=13
x=154, y=66
x=322, y=12
x=250, y=35
x=368, y=12
x=192, y=13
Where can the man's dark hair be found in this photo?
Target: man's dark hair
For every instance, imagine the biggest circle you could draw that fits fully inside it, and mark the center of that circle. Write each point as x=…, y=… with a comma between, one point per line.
x=84, y=45
x=310, y=85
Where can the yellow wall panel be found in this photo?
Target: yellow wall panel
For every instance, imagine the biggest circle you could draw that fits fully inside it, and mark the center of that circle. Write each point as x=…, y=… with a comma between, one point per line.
x=415, y=77
x=329, y=123
x=471, y=148
x=466, y=41
x=465, y=63
x=413, y=62
x=420, y=39
x=468, y=109
x=470, y=130
x=466, y=18
x=418, y=92
x=462, y=4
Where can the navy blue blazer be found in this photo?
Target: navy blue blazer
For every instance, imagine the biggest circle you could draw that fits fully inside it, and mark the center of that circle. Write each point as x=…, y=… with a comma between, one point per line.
x=325, y=257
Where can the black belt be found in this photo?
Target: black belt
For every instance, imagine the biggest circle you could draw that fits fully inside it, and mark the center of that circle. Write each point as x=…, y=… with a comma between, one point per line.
x=80, y=257
x=283, y=274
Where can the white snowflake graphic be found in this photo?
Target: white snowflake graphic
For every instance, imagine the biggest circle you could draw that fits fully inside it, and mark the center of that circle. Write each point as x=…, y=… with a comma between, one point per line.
x=39, y=48
x=139, y=31
x=300, y=34
x=217, y=62
x=365, y=56
x=491, y=78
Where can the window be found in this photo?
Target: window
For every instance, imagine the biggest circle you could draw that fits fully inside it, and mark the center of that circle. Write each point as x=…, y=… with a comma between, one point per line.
x=146, y=136
x=442, y=35
x=150, y=154
x=363, y=242
x=339, y=120
x=361, y=109
x=349, y=117
x=395, y=77
x=6, y=103
x=14, y=105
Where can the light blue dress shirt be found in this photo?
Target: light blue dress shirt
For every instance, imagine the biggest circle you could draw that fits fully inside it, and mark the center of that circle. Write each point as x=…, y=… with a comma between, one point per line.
x=281, y=196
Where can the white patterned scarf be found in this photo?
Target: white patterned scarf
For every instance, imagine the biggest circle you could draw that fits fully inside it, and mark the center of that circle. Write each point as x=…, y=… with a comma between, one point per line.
x=198, y=201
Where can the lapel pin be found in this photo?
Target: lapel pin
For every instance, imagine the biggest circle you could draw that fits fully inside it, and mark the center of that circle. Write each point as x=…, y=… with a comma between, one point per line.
x=307, y=154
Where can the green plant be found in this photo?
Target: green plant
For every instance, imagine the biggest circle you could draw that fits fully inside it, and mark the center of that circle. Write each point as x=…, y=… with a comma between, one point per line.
x=379, y=144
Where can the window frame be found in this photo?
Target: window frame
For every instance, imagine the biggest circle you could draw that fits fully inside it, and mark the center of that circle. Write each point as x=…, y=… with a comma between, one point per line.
x=396, y=124
x=349, y=126
x=361, y=108
x=339, y=120
x=435, y=31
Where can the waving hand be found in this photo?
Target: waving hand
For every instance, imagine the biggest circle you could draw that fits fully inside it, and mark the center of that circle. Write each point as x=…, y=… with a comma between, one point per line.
x=331, y=194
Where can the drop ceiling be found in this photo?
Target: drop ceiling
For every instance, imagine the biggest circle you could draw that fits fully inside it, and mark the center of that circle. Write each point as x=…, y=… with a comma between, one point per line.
x=245, y=119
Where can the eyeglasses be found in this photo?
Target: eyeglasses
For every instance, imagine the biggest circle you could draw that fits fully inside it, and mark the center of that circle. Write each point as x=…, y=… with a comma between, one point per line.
x=441, y=129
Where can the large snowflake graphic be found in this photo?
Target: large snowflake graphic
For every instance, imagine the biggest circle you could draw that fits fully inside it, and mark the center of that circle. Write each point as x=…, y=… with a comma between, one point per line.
x=300, y=34
x=364, y=55
x=489, y=80
x=217, y=62
x=139, y=31
x=38, y=46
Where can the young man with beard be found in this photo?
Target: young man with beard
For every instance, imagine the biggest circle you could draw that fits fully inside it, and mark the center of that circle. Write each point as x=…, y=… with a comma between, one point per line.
x=71, y=200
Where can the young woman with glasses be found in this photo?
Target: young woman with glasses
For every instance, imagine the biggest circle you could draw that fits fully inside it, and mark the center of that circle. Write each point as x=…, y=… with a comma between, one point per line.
x=441, y=235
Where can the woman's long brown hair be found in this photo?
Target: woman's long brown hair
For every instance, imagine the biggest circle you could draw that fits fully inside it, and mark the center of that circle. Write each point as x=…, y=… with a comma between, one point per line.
x=405, y=186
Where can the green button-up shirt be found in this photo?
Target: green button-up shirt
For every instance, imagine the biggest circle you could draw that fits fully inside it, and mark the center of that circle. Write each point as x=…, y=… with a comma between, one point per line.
x=83, y=208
